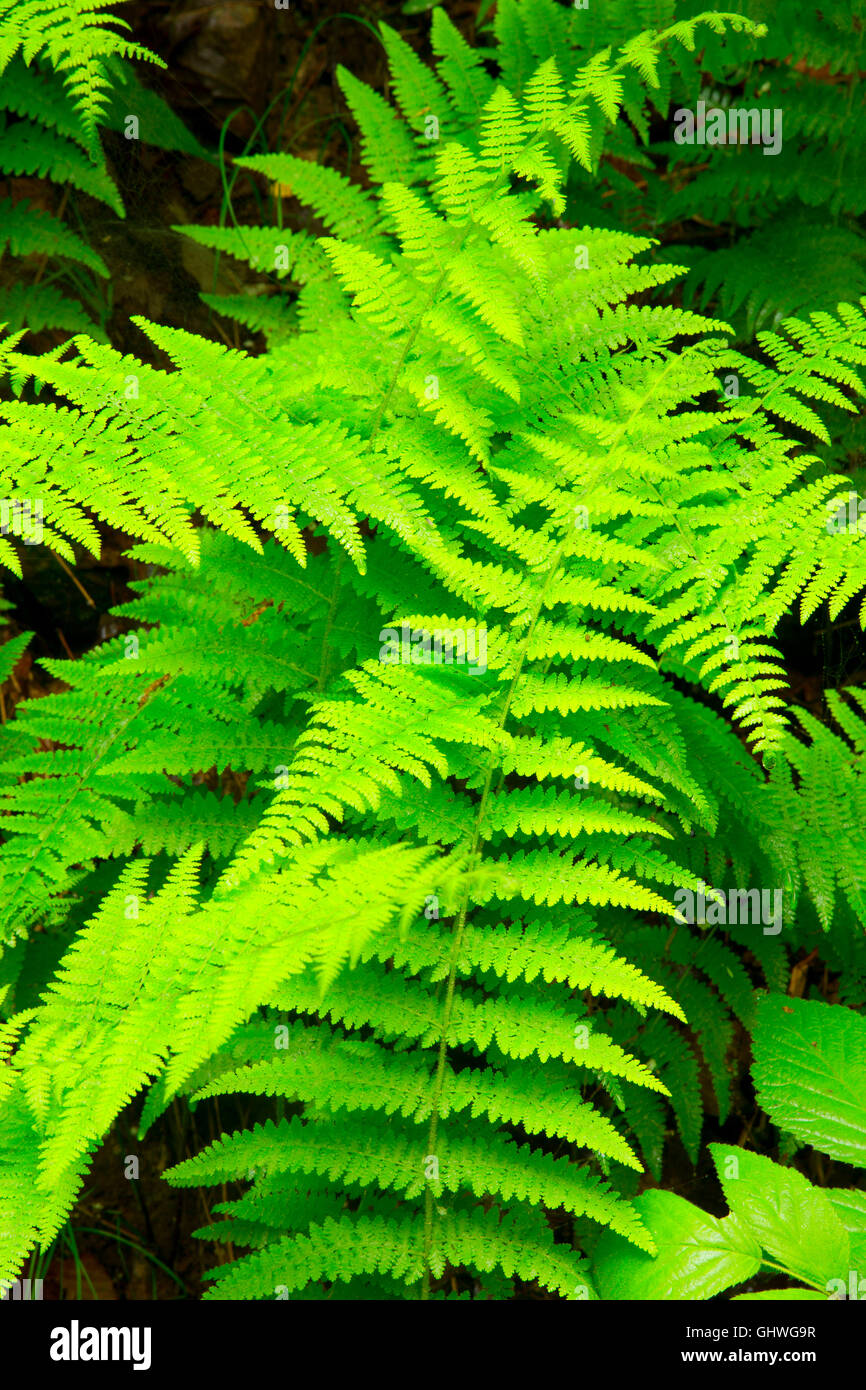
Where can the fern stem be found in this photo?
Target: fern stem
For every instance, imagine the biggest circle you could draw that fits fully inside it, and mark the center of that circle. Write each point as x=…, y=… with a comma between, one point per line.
x=457, y=940
x=407, y=347
x=473, y=849
x=325, y=663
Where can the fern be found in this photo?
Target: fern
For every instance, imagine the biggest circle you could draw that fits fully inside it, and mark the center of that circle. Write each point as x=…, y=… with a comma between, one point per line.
x=79, y=42
x=65, y=74
x=378, y=806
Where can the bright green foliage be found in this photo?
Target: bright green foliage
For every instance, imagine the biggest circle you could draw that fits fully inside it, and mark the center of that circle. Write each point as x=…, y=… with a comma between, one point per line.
x=795, y=214
x=792, y=216
x=765, y=235
x=43, y=135
x=377, y=811
x=79, y=40
x=557, y=77
x=698, y=1255
x=63, y=74
x=776, y=1218
x=809, y=1072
